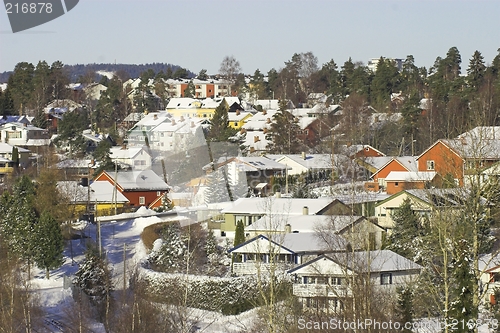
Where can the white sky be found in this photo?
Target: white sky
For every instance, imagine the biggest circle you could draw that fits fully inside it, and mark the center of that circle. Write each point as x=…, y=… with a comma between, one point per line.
x=260, y=34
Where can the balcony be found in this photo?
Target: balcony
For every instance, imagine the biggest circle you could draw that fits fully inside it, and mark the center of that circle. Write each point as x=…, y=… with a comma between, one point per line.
x=321, y=290
x=253, y=267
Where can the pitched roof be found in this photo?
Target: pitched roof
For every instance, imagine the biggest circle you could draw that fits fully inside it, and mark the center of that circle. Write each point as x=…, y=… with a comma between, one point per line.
x=272, y=205
x=297, y=243
x=367, y=261
x=137, y=180
x=410, y=176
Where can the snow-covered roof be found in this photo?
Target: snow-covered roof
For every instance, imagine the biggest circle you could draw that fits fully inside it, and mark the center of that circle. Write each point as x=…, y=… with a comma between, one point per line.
x=366, y=261
x=272, y=205
x=250, y=163
x=135, y=180
x=309, y=161
x=301, y=223
x=291, y=243
x=125, y=153
x=5, y=148
x=410, y=176
x=99, y=191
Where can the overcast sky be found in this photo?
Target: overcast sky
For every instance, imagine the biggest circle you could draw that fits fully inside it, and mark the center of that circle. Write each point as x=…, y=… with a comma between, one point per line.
x=260, y=34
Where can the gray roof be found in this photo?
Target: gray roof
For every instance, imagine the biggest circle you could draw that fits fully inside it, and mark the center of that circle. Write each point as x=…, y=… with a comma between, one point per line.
x=136, y=180
x=272, y=205
x=368, y=261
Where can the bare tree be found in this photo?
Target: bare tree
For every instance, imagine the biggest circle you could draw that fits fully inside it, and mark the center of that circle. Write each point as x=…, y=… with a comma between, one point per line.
x=229, y=70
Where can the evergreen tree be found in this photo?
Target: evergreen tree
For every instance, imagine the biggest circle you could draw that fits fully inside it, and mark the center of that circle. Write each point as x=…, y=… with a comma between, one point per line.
x=6, y=101
x=220, y=130
x=170, y=251
x=94, y=279
x=70, y=130
x=385, y=81
x=405, y=308
x=407, y=233
x=21, y=85
x=462, y=307
x=49, y=243
x=217, y=187
x=284, y=134
x=476, y=71
x=190, y=90
x=239, y=236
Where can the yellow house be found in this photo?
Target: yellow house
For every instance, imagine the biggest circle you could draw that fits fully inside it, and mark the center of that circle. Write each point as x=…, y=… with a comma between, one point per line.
x=238, y=119
x=99, y=198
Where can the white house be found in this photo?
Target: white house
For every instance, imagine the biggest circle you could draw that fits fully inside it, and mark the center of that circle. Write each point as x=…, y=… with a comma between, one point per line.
x=137, y=158
x=325, y=282
x=22, y=134
x=280, y=251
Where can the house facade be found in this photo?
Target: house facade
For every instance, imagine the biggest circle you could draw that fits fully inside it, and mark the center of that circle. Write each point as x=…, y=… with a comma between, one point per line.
x=332, y=282
x=141, y=188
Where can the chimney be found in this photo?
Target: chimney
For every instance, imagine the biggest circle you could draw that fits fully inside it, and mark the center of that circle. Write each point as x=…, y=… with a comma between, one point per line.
x=173, y=121
x=256, y=138
x=277, y=194
x=238, y=112
x=192, y=124
x=264, y=112
x=265, y=130
x=252, y=149
x=182, y=118
x=288, y=229
x=303, y=155
x=268, y=120
x=242, y=130
x=305, y=210
x=155, y=117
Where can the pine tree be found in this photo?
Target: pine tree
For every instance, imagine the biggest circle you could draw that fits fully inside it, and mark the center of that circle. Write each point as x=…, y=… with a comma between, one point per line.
x=405, y=307
x=406, y=234
x=94, y=279
x=170, y=251
x=49, y=243
x=462, y=307
x=239, y=236
x=220, y=130
x=217, y=190
x=284, y=133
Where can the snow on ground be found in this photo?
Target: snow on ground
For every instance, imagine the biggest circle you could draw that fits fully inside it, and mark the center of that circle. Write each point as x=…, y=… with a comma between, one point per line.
x=123, y=233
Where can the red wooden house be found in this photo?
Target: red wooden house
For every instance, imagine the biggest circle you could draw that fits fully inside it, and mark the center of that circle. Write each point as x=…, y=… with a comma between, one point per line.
x=141, y=188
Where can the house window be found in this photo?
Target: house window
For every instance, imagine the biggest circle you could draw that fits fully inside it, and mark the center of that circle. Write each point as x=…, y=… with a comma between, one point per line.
x=396, y=184
x=386, y=278
x=142, y=200
x=430, y=165
x=158, y=193
x=336, y=281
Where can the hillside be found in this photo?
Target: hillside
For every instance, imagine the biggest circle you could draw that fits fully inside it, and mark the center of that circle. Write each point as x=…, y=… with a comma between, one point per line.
x=132, y=70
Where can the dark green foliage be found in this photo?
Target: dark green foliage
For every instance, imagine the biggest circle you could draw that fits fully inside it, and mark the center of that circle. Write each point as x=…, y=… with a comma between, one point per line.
x=407, y=232
x=239, y=236
x=405, y=311
x=49, y=243
x=69, y=132
x=284, y=134
x=220, y=130
x=94, y=279
x=385, y=81
x=190, y=90
x=465, y=281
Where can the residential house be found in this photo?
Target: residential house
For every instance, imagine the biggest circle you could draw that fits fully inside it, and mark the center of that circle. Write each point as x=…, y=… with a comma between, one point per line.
x=98, y=198
x=249, y=210
x=6, y=168
x=424, y=202
x=135, y=158
x=323, y=283
x=281, y=251
x=361, y=232
x=238, y=118
x=396, y=181
x=77, y=169
x=177, y=135
x=23, y=155
x=319, y=165
x=24, y=135
x=392, y=164
x=256, y=173
x=461, y=159
x=140, y=187
x=489, y=282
